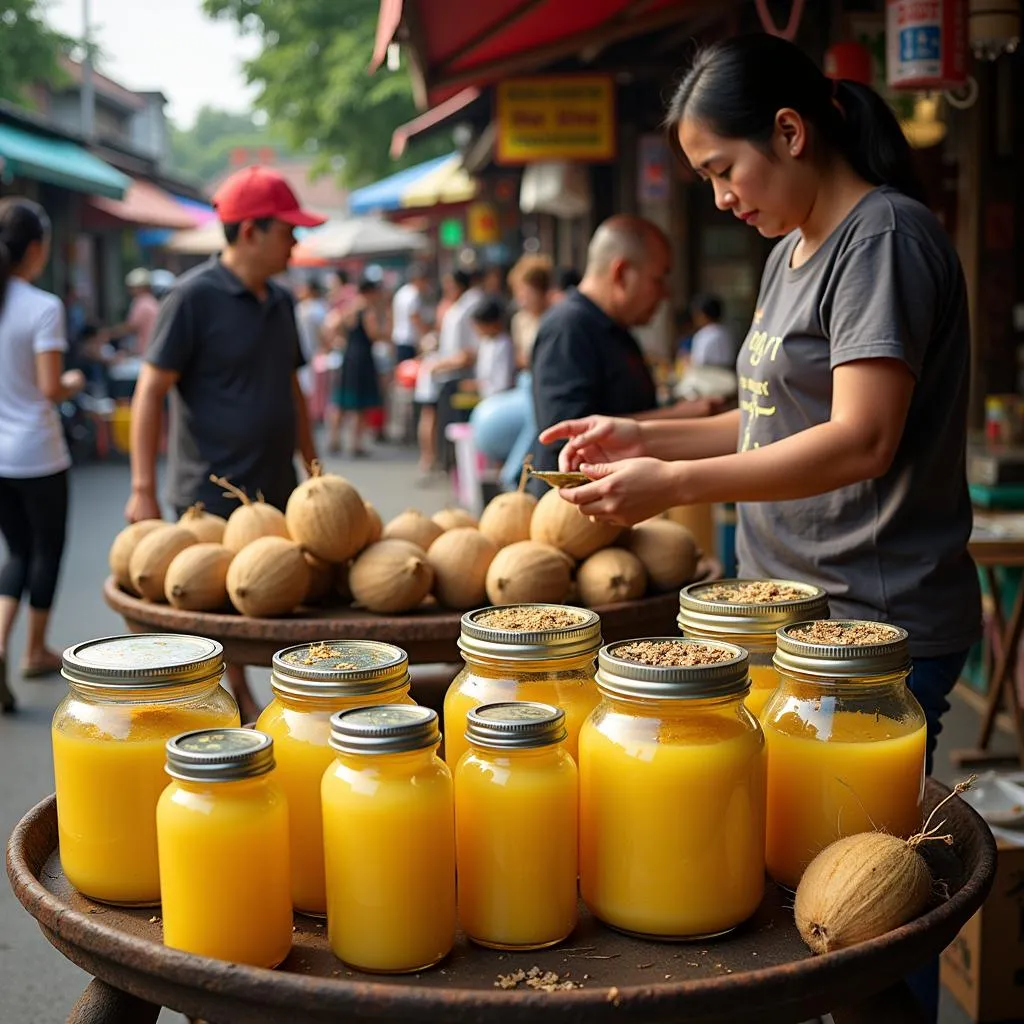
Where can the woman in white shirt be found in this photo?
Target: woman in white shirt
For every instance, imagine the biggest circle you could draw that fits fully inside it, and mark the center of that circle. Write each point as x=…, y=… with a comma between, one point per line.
x=34, y=458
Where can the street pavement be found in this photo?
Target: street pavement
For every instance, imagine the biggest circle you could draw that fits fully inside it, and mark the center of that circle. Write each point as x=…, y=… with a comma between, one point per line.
x=37, y=985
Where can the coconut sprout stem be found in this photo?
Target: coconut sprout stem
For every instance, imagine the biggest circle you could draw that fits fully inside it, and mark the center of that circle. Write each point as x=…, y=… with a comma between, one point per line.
x=524, y=473
x=315, y=469
x=196, y=509
x=929, y=831
x=230, y=490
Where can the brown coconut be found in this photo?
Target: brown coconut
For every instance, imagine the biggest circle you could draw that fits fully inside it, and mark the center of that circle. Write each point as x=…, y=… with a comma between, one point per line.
x=152, y=557
x=610, y=575
x=374, y=524
x=667, y=550
x=527, y=572
x=207, y=528
x=251, y=520
x=268, y=577
x=391, y=576
x=413, y=526
x=322, y=578
x=562, y=525
x=196, y=579
x=327, y=516
x=506, y=519
x=123, y=546
x=454, y=519
x=460, y=559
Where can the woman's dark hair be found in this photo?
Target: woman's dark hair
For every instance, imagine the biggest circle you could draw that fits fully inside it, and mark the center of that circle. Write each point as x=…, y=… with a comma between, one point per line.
x=709, y=305
x=489, y=310
x=464, y=279
x=736, y=87
x=368, y=285
x=22, y=222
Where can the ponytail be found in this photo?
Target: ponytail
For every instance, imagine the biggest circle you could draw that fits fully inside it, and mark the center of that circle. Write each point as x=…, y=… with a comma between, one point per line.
x=736, y=87
x=22, y=222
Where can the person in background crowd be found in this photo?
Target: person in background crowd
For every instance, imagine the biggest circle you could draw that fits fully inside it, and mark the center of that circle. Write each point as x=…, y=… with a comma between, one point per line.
x=340, y=290
x=134, y=332
x=34, y=459
x=358, y=386
x=565, y=280
x=407, y=314
x=227, y=350
x=310, y=311
x=493, y=281
x=530, y=279
x=713, y=343
x=495, y=358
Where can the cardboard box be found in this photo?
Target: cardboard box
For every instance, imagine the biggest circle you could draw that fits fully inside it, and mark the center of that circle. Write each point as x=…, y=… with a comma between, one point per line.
x=983, y=969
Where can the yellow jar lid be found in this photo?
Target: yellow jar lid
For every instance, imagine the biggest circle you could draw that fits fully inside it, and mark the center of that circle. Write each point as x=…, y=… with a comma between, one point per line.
x=142, y=661
x=842, y=649
x=219, y=755
x=530, y=632
x=339, y=668
x=672, y=668
x=748, y=606
x=384, y=729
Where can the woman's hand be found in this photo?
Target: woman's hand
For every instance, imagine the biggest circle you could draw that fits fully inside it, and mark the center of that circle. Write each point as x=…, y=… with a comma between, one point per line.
x=72, y=381
x=628, y=491
x=596, y=440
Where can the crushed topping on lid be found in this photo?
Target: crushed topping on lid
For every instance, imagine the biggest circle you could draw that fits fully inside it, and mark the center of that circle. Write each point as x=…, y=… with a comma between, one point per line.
x=671, y=653
x=755, y=592
x=859, y=634
x=528, y=620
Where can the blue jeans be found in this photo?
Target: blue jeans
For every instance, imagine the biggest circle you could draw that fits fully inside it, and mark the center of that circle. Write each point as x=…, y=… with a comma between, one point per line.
x=931, y=680
x=504, y=428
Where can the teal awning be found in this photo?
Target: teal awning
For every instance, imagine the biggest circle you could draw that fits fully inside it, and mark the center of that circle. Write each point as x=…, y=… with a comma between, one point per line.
x=58, y=162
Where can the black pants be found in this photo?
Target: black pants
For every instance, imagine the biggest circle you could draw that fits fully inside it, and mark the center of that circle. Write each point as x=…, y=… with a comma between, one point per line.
x=33, y=521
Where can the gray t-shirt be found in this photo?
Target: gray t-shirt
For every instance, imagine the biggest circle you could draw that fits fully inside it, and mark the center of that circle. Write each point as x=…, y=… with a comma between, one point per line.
x=886, y=284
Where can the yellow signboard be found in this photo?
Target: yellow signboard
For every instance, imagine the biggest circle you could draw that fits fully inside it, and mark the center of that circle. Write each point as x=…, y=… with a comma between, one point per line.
x=555, y=117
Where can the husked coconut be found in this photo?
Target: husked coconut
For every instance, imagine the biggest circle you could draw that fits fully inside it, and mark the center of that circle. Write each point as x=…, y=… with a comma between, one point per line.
x=460, y=559
x=152, y=556
x=375, y=525
x=123, y=546
x=327, y=516
x=529, y=572
x=610, y=575
x=197, y=578
x=562, y=525
x=667, y=549
x=454, y=519
x=391, y=576
x=251, y=520
x=412, y=525
x=268, y=577
x=207, y=528
x=322, y=577
x=506, y=519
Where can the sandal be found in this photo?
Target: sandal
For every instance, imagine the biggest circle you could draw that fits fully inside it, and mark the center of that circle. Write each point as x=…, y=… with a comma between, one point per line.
x=48, y=667
x=7, y=702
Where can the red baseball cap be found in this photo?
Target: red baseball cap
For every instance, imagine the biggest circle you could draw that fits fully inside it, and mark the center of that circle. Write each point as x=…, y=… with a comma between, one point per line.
x=257, y=192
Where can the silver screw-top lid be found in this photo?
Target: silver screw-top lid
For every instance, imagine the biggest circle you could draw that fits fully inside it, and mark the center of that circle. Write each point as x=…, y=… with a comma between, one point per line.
x=842, y=649
x=530, y=632
x=515, y=725
x=755, y=606
x=384, y=729
x=339, y=668
x=672, y=668
x=219, y=755
x=143, y=661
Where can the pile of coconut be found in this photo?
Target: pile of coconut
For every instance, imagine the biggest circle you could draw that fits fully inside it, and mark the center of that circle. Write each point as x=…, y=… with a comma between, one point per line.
x=329, y=546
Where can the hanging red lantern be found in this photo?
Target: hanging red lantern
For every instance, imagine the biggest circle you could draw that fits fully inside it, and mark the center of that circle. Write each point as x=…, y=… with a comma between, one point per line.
x=927, y=44
x=849, y=61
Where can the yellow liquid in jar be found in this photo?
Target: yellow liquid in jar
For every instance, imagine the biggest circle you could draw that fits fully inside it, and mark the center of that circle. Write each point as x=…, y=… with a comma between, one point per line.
x=389, y=846
x=108, y=781
x=866, y=773
x=516, y=840
x=224, y=874
x=303, y=754
x=764, y=681
x=672, y=823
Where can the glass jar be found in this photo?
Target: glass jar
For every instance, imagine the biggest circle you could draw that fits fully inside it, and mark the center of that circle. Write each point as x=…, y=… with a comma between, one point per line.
x=516, y=801
x=672, y=791
x=222, y=830
x=389, y=841
x=533, y=652
x=846, y=741
x=748, y=613
x=127, y=696
x=311, y=682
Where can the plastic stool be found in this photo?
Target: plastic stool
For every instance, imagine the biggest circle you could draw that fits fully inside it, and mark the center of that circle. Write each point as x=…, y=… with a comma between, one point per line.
x=469, y=464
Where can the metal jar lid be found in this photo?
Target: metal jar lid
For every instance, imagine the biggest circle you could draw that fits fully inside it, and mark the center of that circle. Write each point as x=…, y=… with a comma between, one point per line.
x=576, y=638
x=143, y=661
x=339, y=668
x=515, y=725
x=845, y=658
x=384, y=729
x=702, y=613
x=219, y=755
x=619, y=675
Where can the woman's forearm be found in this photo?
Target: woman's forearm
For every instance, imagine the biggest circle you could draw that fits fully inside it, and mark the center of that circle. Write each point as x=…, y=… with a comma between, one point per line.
x=691, y=438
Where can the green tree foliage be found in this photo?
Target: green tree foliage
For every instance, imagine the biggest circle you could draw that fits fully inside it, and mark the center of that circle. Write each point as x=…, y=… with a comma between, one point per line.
x=204, y=150
x=314, y=84
x=29, y=49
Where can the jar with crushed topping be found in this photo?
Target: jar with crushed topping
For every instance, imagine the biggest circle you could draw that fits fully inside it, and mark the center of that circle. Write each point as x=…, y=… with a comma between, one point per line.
x=846, y=741
x=748, y=613
x=533, y=652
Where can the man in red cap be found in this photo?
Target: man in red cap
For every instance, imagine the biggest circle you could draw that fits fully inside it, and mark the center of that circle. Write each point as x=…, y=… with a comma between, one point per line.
x=226, y=350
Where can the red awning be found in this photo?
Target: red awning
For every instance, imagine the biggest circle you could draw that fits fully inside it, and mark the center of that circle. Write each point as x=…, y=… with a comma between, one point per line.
x=146, y=205
x=403, y=133
x=456, y=43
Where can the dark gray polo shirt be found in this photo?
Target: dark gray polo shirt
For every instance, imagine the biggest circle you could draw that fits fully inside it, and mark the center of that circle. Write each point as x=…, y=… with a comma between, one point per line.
x=232, y=410
x=886, y=284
